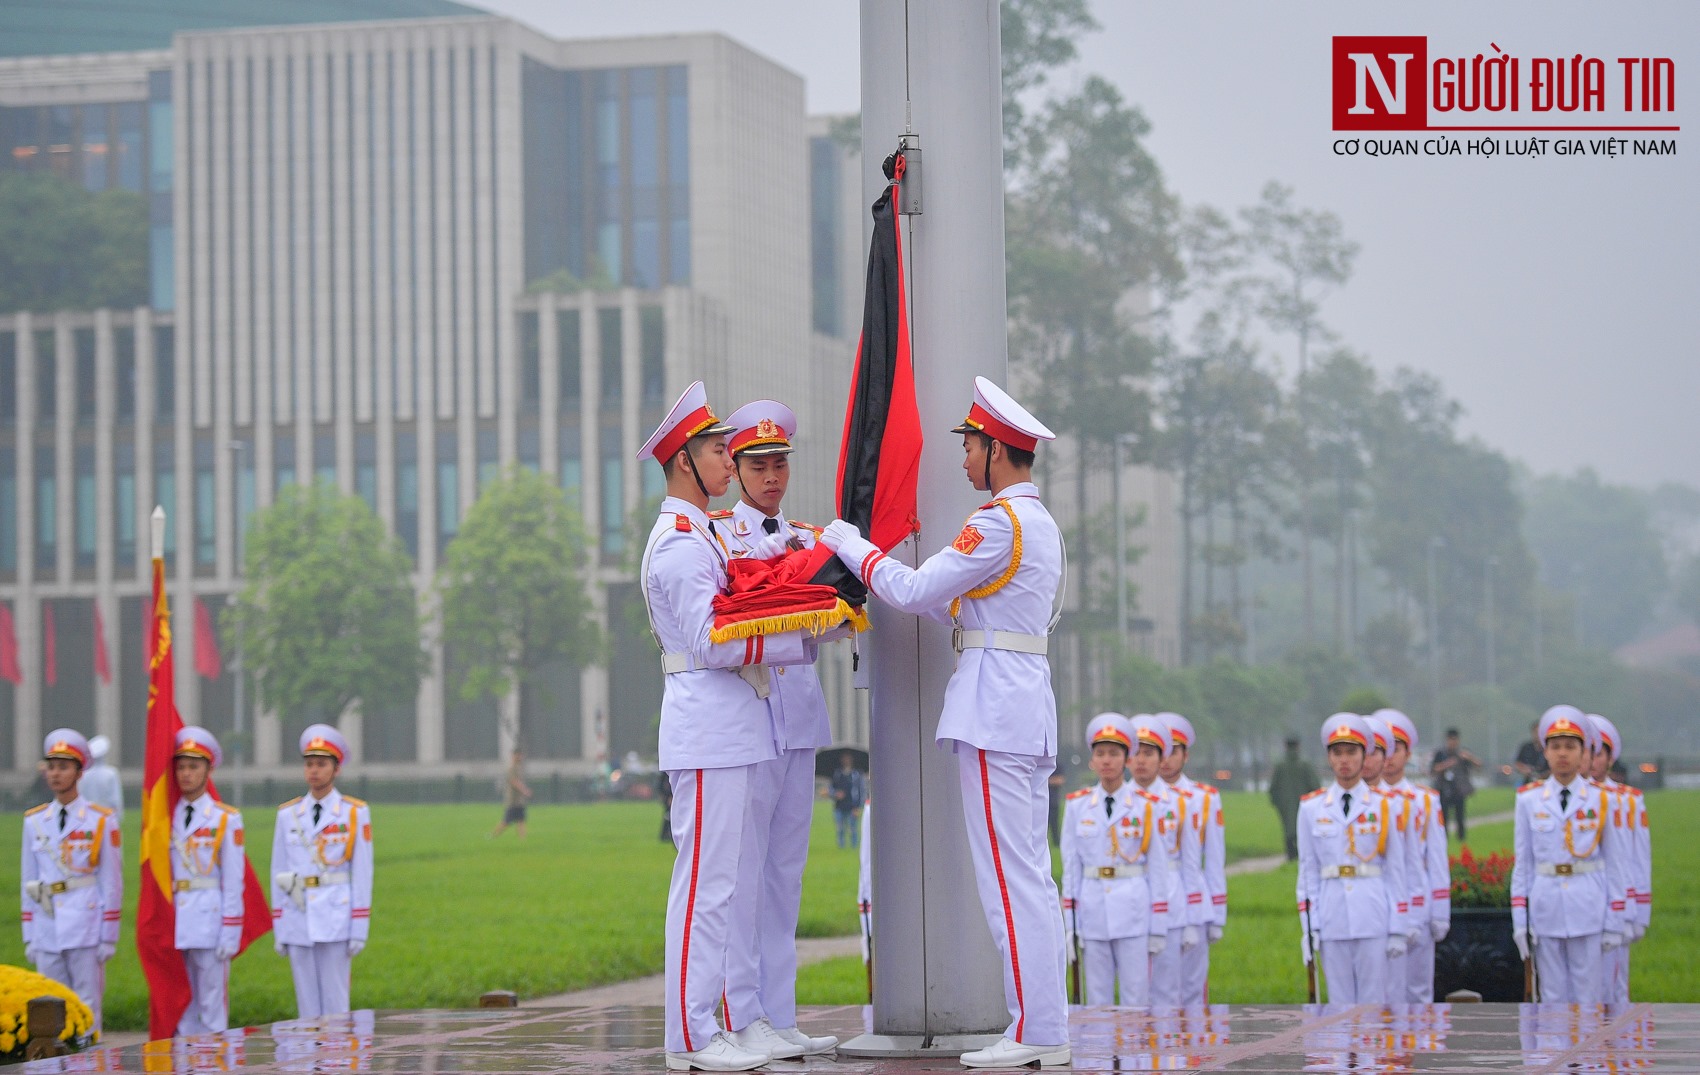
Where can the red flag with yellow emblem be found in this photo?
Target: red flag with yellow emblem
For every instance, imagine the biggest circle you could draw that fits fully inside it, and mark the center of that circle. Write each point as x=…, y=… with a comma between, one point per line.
x=156, y=915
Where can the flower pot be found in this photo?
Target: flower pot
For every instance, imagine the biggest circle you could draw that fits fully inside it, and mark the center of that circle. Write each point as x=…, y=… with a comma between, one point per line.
x=1478, y=953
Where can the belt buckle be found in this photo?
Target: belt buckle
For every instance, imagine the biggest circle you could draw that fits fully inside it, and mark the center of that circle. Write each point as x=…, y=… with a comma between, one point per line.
x=180, y=885
x=57, y=887
x=310, y=882
x=1106, y=872
x=1564, y=869
x=956, y=638
x=1348, y=871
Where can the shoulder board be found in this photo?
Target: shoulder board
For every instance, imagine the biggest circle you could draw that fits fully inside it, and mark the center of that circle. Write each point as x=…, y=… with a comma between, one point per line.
x=1072, y=794
x=1151, y=795
x=807, y=527
x=1185, y=793
x=1210, y=788
x=291, y=802
x=1312, y=795
x=36, y=809
x=105, y=811
x=352, y=801
x=723, y=513
x=1530, y=786
x=227, y=808
x=1632, y=789
x=682, y=523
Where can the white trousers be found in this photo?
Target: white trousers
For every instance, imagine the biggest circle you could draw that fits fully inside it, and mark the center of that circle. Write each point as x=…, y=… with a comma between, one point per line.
x=209, y=993
x=81, y=970
x=1166, y=973
x=1195, y=972
x=1617, y=974
x=761, y=961
x=1419, y=971
x=321, y=977
x=1125, y=961
x=1005, y=803
x=708, y=833
x=1571, y=969
x=1355, y=971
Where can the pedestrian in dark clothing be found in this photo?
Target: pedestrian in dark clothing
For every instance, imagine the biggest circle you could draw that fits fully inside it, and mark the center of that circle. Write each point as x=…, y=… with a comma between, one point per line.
x=664, y=792
x=1450, y=772
x=849, y=792
x=1293, y=780
x=1531, y=763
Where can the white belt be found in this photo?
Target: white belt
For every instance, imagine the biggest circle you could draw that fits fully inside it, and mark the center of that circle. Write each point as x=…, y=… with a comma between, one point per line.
x=70, y=884
x=338, y=878
x=1365, y=869
x=672, y=663
x=1564, y=869
x=1115, y=873
x=194, y=884
x=1004, y=640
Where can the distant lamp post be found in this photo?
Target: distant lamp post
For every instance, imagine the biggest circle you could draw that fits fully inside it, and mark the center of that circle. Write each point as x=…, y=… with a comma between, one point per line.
x=1435, y=544
x=1487, y=638
x=238, y=452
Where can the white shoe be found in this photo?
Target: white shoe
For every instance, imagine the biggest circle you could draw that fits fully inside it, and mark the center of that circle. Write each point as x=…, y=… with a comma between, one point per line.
x=803, y=1041
x=720, y=1054
x=1013, y=1054
x=760, y=1037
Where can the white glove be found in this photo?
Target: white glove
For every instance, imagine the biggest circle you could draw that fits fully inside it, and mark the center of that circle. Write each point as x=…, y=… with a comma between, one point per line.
x=769, y=546
x=1396, y=946
x=106, y=951
x=1639, y=931
x=1411, y=936
x=225, y=952
x=1610, y=941
x=279, y=947
x=33, y=954
x=355, y=947
x=1308, y=947
x=1213, y=933
x=1439, y=930
x=1156, y=943
x=842, y=631
x=1523, y=942
x=1189, y=938
x=837, y=532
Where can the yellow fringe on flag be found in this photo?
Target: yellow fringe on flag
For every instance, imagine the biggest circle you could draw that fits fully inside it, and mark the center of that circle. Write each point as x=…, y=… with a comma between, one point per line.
x=816, y=622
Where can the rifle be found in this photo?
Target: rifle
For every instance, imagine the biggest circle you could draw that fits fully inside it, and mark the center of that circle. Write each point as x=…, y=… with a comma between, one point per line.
x=1531, y=981
x=1310, y=964
x=1076, y=989
x=868, y=964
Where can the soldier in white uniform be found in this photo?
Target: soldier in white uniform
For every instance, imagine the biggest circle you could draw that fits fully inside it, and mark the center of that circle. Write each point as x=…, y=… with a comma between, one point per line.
x=73, y=877
x=1352, y=895
x=100, y=784
x=1428, y=868
x=761, y=977
x=997, y=584
x=1628, y=819
x=1375, y=765
x=207, y=872
x=718, y=725
x=1115, y=874
x=321, y=878
x=1568, y=884
x=1206, y=909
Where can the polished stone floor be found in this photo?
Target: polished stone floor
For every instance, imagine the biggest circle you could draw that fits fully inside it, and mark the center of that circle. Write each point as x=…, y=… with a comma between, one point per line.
x=1251, y=1039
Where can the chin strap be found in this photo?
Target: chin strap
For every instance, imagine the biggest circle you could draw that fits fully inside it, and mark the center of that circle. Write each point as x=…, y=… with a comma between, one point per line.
x=696, y=473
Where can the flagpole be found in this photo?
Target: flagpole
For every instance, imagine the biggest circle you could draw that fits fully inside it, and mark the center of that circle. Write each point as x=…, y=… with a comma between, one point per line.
x=933, y=70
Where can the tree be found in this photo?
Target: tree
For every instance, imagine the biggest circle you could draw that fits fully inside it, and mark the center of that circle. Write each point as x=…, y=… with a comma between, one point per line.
x=513, y=596
x=1688, y=590
x=327, y=618
x=64, y=248
x=1597, y=541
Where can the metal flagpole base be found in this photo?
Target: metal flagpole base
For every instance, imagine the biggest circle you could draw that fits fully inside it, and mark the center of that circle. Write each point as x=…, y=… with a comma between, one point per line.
x=909, y=1046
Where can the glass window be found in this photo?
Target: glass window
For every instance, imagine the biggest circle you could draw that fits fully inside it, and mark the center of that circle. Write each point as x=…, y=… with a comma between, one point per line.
x=83, y=511
x=530, y=446
x=572, y=482
x=245, y=500
x=530, y=359
x=165, y=491
x=162, y=148
x=646, y=253
x=8, y=377
x=566, y=338
x=61, y=140
x=654, y=482
x=678, y=177
x=46, y=512
x=164, y=371
x=124, y=502
x=824, y=196
x=83, y=340
x=407, y=491
x=608, y=324
x=609, y=185
x=95, y=147
x=206, y=506
x=448, y=490
x=283, y=459
x=8, y=511
x=488, y=466
x=653, y=347
x=366, y=468
x=46, y=376
x=613, y=510
x=127, y=148
x=124, y=354
x=324, y=457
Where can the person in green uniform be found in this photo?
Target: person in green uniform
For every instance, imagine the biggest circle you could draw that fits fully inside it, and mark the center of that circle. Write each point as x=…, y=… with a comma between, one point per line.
x=1293, y=780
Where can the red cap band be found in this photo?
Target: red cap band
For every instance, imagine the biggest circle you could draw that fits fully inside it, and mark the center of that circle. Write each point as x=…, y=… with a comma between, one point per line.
x=991, y=426
x=689, y=426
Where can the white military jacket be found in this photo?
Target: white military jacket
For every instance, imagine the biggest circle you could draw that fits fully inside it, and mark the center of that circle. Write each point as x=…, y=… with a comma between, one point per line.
x=322, y=871
x=1572, y=868
x=1207, y=905
x=207, y=867
x=1428, y=869
x=1352, y=864
x=710, y=717
x=798, y=701
x=997, y=699
x=72, y=877
x=1629, y=813
x=1116, y=873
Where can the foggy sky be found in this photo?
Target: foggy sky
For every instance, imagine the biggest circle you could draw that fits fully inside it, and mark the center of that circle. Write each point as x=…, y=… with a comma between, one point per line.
x=1554, y=297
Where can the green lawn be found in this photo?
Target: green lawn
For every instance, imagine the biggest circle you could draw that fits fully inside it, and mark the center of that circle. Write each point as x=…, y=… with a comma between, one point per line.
x=581, y=902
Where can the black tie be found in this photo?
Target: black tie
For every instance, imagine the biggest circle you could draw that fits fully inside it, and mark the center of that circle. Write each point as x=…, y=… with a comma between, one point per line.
x=188, y=813
x=316, y=808
x=61, y=819
x=1346, y=804
x=1109, y=805
x=770, y=525
x=1563, y=800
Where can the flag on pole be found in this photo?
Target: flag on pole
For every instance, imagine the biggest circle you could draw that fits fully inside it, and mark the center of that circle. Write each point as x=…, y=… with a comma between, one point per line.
x=879, y=464
x=10, y=670
x=102, y=666
x=156, y=916
x=207, y=660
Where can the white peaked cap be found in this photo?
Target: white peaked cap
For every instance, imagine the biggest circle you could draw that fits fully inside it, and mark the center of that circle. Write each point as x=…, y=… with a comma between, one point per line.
x=690, y=417
x=999, y=417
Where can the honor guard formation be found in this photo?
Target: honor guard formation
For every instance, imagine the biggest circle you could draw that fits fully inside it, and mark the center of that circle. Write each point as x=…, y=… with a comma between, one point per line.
x=1143, y=896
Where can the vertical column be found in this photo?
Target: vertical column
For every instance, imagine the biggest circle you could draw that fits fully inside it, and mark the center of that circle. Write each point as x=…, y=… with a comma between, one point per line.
x=473, y=366
x=106, y=412
x=937, y=977
x=383, y=359
x=631, y=396
x=504, y=219
x=590, y=425
x=298, y=366
x=548, y=387
x=348, y=232
x=226, y=329
x=326, y=307
x=431, y=222
x=65, y=445
x=264, y=135
x=26, y=728
x=146, y=386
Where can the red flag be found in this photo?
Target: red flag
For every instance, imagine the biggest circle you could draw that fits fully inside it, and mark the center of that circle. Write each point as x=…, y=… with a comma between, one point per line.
x=49, y=646
x=207, y=662
x=879, y=463
x=102, y=667
x=9, y=669
x=156, y=916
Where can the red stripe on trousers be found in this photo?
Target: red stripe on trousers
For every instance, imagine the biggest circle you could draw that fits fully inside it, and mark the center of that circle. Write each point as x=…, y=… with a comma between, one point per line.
x=1003, y=890
x=690, y=908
